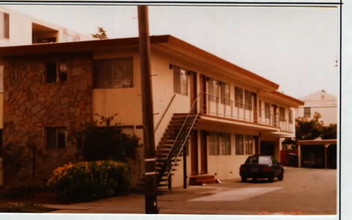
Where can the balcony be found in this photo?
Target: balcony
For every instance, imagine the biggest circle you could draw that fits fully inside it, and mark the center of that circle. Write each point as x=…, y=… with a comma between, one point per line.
x=242, y=112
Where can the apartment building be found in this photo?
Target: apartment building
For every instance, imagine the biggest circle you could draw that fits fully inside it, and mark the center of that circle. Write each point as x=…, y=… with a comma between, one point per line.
x=209, y=114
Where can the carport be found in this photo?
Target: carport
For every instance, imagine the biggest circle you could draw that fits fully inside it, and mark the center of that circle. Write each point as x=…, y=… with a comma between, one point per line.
x=315, y=143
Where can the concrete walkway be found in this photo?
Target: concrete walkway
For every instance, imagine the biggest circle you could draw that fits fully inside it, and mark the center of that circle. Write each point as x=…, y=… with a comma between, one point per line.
x=303, y=191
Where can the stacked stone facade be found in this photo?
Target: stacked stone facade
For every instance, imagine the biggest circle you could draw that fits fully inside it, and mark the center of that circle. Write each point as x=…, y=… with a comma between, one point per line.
x=31, y=105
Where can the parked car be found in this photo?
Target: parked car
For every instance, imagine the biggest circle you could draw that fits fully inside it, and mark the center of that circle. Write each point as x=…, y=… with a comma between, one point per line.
x=260, y=166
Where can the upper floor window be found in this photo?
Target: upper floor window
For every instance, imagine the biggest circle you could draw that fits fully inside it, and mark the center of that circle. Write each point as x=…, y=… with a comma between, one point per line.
x=55, y=137
x=307, y=112
x=1, y=78
x=180, y=81
x=290, y=116
x=213, y=89
x=225, y=93
x=113, y=73
x=55, y=72
x=260, y=108
x=267, y=110
x=282, y=113
x=238, y=97
x=248, y=99
x=4, y=25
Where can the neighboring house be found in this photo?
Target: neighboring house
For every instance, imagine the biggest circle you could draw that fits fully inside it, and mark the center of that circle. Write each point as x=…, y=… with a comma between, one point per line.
x=322, y=102
x=318, y=153
x=225, y=111
x=20, y=29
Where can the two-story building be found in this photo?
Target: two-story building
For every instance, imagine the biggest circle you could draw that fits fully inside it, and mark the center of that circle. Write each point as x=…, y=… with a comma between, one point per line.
x=224, y=111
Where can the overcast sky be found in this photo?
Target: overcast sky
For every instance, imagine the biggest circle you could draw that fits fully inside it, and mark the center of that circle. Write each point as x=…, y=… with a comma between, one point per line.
x=295, y=47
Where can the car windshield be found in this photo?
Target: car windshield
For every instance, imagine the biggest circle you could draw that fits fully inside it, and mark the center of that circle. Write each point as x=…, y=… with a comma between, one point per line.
x=259, y=160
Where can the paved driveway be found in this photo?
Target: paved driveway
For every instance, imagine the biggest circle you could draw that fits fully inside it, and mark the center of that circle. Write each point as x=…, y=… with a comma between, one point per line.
x=303, y=191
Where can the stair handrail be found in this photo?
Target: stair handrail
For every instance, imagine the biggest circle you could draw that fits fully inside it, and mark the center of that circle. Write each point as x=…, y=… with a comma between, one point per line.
x=177, y=139
x=164, y=113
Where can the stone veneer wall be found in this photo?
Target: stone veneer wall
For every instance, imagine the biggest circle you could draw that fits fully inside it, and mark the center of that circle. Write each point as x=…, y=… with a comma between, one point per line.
x=30, y=105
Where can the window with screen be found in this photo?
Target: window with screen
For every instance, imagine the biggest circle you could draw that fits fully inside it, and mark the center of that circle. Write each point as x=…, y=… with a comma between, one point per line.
x=113, y=73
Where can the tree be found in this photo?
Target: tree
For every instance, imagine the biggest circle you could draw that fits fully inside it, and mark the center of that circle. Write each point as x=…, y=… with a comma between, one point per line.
x=329, y=132
x=101, y=34
x=107, y=142
x=309, y=129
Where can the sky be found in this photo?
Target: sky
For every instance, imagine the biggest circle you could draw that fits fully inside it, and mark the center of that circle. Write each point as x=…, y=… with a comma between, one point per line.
x=296, y=47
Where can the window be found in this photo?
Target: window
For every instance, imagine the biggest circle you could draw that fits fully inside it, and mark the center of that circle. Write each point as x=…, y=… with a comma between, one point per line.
x=267, y=110
x=180, y=81
x=248, y=100
x=51, y=73
x=55, y=72
x=260, y=109
x=225, y=93
x=307, y=112
x=1, y=78
x=213, y=144
x=282, y=114
x=225, y=144
x=290, y=116
x=213, y=89
x=219, y=143
x=4, y=25
x=238, y=97
x=239, y=144
x=55, y=137
x=248, y=144
x=113, y=73
x=244, y=144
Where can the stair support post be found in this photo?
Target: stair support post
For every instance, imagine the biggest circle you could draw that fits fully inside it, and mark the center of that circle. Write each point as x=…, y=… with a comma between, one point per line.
x=185, y=167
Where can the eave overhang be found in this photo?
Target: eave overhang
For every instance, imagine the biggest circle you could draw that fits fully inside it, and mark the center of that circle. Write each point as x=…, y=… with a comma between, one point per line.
x=166, y=41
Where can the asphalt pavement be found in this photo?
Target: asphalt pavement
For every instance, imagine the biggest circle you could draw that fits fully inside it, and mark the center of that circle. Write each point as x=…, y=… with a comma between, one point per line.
x=302, y=192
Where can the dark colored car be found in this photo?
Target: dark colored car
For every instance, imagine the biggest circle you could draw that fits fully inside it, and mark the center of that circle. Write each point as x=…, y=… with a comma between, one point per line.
x=259, y=166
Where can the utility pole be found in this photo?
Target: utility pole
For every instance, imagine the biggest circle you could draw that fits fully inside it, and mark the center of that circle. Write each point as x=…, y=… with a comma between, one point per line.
x=151, y=204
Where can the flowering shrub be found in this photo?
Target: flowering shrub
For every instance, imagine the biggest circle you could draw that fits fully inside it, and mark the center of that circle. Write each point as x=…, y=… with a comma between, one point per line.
x=86, y=181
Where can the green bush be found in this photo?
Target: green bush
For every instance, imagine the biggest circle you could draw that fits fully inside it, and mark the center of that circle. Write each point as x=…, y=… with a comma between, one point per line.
x=103, y=141
x=86, y=181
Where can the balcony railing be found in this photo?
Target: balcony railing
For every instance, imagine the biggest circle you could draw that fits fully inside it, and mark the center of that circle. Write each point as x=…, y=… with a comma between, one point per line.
x=228, y=108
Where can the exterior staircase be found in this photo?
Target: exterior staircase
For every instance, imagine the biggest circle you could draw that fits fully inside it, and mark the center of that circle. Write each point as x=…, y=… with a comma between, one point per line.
x=171, y=146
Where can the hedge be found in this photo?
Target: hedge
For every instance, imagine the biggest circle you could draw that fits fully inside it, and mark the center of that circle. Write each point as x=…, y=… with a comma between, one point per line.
x=86, y=181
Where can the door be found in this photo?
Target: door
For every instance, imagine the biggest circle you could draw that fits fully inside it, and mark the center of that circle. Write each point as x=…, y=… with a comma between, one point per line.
x=203, y=153
x=194, y=153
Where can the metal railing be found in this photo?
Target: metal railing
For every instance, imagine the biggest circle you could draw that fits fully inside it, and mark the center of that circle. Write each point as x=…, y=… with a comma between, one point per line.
x=164, y=113
x=227, y=108
x=239, y=110
x=180, y=141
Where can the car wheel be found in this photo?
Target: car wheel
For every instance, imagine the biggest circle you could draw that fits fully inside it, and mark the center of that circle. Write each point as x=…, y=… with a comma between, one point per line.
x=281, y=177
x=271, y=179
x=243, y=179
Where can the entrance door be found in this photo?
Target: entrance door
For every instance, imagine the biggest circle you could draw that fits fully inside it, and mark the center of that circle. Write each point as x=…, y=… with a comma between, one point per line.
x=203, y=153
x=194, y=153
